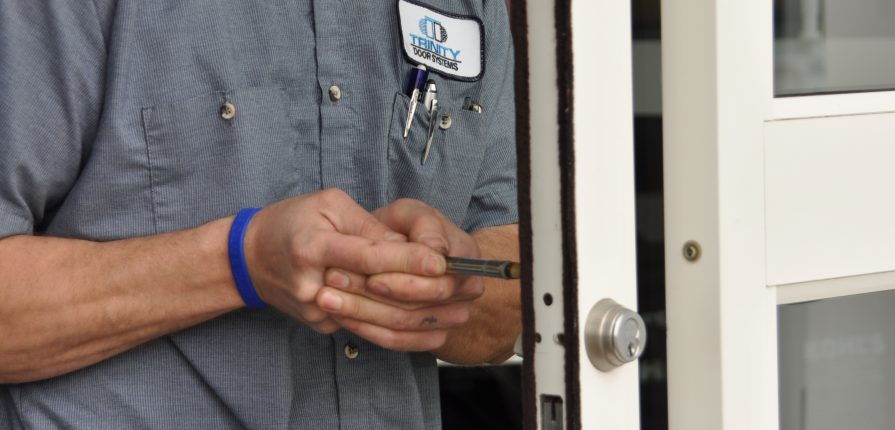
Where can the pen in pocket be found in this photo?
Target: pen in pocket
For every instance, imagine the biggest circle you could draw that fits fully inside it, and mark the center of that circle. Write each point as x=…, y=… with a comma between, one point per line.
x=418, y=77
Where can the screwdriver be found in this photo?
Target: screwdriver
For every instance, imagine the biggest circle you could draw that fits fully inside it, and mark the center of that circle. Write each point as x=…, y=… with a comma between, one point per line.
x=490, y=268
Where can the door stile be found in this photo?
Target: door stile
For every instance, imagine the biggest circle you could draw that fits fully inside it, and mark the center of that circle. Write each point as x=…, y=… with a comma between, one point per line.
x=547, y=362
x=605, y=197
x=717, y=89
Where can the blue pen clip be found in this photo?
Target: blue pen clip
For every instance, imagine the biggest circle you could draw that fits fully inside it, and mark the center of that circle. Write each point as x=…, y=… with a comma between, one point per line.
x=417, y=82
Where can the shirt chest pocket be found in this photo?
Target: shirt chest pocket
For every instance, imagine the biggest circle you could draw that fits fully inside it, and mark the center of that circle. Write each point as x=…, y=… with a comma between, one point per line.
x=448, y=177
x=214, y=154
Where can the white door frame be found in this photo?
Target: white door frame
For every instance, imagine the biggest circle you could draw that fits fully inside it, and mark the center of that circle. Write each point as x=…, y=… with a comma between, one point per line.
x=605, y=197
x=582, y=201
x=722, y=138
x=721, y=317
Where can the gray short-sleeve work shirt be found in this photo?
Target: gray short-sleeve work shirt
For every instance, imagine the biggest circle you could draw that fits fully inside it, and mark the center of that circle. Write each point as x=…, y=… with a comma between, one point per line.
x=111, y=127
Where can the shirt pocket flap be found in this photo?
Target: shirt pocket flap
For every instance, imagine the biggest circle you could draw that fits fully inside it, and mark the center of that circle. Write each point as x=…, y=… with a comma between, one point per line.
x=213, y=154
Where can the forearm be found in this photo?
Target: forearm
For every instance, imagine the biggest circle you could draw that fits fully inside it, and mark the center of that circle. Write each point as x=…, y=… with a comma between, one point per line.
x=496, y=319
x=66, y=304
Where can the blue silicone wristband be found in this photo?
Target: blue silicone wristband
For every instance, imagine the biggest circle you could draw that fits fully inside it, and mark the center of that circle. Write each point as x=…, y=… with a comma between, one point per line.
x=238, y=259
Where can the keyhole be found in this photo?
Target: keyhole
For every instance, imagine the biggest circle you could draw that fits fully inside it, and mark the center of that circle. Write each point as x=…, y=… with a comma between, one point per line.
x=632, y=348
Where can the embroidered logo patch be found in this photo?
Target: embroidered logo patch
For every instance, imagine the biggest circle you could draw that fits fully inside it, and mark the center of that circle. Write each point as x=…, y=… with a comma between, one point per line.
x=445, y=43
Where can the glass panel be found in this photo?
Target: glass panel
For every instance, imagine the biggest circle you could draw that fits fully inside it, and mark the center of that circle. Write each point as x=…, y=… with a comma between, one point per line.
x=832, y=46
x=837, y=363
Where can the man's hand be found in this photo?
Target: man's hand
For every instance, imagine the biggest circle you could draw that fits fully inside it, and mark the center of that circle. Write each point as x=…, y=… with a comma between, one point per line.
x=290, y=244
x=496, y=319
x=404, y=310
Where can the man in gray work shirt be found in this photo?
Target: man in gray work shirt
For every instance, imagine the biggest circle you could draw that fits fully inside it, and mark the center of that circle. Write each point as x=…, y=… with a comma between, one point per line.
x=131, y=133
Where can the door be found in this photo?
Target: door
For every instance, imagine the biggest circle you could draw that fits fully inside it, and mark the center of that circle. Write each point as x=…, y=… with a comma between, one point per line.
x=576, y=177
x=780, y=221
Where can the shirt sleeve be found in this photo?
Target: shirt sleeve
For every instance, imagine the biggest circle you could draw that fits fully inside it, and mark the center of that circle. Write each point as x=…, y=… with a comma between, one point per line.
x=494, y=201
x=52, y=58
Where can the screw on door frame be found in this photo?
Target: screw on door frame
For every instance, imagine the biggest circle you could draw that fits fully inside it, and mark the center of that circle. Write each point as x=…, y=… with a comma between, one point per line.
x=692, y=251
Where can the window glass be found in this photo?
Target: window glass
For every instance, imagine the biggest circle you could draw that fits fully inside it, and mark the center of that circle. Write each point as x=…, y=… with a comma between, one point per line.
x=837, y=363
x=833, y=46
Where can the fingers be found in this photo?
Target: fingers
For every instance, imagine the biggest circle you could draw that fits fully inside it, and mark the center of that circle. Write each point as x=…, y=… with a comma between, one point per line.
x=410, y=289
x=420, y=222
x=365, y=256
x=348, y=217
x=407, y=341
x=313, y=315
x=471, y=288
x=395, y=286
x=326, y=327
x=345, y=280
x=361, y=308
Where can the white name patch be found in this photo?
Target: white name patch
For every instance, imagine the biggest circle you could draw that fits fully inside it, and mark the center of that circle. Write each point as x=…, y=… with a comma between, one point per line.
x=449, y=44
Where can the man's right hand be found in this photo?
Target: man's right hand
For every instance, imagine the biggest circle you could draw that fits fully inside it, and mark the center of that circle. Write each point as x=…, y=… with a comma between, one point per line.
x=289, y=246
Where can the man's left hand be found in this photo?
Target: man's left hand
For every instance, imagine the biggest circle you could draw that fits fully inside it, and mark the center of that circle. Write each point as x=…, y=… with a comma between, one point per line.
x=401, y=311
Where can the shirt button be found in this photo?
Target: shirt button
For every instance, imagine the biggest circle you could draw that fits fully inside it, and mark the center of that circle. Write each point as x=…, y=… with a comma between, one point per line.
x=228, y=111
x=446, y=122
x=335, y=93
x=351, y=351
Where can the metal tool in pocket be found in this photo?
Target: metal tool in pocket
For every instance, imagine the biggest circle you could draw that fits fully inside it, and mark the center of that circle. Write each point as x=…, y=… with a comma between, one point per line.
x=430, y=101
x=470, y=105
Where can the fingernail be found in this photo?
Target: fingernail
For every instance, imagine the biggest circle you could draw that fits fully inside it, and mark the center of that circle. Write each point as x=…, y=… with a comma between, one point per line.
x=434, y=265
x=332, y=302
x=338, y=280
x=395, y=237
x=380, y=289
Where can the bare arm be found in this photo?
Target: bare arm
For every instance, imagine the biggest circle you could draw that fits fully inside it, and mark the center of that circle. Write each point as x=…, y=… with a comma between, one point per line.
x=66, y=304
x=496, y=319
